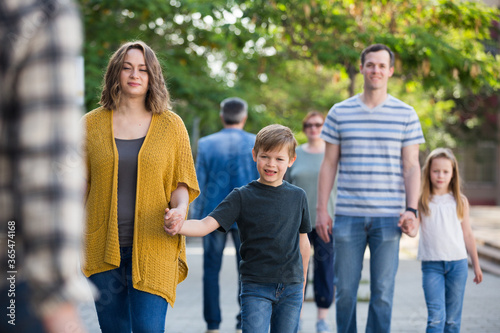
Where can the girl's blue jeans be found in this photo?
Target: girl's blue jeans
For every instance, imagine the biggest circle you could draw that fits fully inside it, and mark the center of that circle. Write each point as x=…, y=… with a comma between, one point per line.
x=444, y=289
x=120, y=307
x=274, y=304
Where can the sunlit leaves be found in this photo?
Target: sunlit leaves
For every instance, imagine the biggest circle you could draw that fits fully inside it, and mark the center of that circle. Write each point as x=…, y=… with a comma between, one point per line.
x=287, y=57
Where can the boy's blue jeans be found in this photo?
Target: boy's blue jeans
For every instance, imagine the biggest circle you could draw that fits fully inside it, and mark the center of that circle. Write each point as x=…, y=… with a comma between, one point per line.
x=444, y=289
x=275, y=304
x=351, y=236
x=120, y=307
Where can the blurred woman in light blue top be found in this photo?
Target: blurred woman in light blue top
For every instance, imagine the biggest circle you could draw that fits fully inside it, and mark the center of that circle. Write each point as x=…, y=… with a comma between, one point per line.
x=304, y=173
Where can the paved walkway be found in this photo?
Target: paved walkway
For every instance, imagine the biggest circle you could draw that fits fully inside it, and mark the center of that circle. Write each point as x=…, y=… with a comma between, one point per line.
x=480, y=313
x=485, y=222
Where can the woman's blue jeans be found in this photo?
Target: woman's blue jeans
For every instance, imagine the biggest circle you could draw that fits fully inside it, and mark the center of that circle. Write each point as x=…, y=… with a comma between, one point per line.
x=351, y=236
x=120, y=307
x=323, y=270
x=275, y=304
x=444, y=289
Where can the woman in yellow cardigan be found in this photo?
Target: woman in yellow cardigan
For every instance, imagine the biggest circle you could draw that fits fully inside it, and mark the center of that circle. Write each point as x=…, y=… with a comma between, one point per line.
x=139, y=163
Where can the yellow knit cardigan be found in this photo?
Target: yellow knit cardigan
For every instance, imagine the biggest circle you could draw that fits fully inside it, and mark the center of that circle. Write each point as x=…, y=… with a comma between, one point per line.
x=165, y=159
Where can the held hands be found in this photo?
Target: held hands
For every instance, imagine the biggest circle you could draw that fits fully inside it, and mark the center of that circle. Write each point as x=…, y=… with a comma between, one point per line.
x=408, y=224
x=174, y=219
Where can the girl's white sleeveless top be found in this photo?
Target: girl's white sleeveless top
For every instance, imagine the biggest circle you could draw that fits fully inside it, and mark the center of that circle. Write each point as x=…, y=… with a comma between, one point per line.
x=441, y=236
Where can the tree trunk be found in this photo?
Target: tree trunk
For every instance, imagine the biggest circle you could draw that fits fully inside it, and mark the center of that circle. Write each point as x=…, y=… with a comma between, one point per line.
x=351, y=71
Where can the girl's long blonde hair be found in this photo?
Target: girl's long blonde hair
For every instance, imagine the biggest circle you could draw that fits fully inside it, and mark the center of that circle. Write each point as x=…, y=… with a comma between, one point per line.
x=454, y=186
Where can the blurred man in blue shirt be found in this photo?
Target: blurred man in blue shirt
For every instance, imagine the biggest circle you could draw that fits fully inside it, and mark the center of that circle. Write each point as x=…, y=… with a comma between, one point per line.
x=224, y=161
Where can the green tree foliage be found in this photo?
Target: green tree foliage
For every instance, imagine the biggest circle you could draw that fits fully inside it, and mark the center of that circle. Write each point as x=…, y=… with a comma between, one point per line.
x=438, y=43
x=185, y=36
x=288, y=57
x=440, y=47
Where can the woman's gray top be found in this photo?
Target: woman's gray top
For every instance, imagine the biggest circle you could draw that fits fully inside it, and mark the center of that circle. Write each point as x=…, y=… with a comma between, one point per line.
x=128, y=150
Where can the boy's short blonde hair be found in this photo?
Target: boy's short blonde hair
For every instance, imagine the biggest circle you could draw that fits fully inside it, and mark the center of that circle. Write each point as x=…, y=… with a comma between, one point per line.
x=275, y=137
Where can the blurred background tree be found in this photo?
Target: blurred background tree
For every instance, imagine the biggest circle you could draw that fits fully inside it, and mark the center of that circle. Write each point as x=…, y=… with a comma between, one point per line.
x=288, y=57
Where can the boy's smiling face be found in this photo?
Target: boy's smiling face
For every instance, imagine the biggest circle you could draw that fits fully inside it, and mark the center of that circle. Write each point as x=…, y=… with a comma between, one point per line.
x=272, y=165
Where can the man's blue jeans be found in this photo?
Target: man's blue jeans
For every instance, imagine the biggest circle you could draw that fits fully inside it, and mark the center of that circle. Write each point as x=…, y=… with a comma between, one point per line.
x=444, y=289
x=351, y=236
x=277, y=304
x=213, y=248
x=120, y=307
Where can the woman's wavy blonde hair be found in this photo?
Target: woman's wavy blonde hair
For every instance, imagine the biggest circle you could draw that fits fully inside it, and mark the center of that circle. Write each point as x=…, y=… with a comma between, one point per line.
x=157, y=97
x=454, y=186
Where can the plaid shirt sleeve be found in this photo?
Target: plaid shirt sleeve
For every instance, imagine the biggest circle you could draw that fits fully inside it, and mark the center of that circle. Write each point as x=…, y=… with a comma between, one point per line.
x=41, y=175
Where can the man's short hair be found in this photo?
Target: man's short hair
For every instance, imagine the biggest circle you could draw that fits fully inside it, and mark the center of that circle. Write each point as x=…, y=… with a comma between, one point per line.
x=274, y=137
x=376, y=48
x=233, y=110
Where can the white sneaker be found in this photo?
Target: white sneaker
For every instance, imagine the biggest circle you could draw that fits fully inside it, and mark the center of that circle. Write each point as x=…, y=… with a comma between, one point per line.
x=322, y=327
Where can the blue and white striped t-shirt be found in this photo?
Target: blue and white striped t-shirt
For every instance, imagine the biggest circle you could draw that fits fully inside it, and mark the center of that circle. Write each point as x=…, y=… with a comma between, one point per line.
x=370, y=180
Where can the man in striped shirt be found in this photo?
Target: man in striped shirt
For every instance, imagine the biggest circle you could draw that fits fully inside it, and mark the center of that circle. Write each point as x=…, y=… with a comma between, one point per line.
x=373, y=140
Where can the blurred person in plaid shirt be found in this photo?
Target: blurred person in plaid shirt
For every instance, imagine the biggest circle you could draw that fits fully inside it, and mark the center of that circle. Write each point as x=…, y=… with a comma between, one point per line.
x=41, y=180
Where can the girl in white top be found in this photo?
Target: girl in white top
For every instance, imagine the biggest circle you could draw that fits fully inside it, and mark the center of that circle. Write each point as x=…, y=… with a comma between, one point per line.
x=445, y=239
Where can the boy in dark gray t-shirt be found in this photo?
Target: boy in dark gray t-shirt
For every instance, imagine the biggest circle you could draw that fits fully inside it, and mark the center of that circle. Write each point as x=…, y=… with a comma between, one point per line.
x=273, y=219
